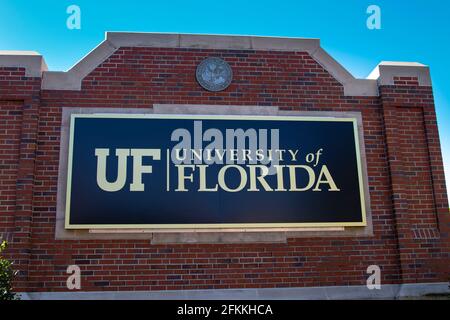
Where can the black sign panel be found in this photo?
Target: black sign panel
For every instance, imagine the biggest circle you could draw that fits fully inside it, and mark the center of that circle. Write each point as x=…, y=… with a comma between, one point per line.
x=163, y=171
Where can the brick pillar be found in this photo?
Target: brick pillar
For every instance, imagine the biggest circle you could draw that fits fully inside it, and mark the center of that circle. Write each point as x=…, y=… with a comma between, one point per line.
x=419, y=197
x=21, y=84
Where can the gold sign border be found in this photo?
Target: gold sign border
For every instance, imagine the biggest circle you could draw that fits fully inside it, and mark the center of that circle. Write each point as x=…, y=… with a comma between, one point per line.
x=362, y=223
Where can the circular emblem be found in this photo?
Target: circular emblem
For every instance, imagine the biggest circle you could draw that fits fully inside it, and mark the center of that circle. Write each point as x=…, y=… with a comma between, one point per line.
x=214, y=74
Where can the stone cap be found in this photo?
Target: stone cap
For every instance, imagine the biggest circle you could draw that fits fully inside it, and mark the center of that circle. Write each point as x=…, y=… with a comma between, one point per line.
x=32, y=61
x=71, y=80
x=386, y=71
x=209, y=41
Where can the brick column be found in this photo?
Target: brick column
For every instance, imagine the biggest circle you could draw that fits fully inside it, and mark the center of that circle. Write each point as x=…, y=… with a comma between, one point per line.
x=21, y=84
x=419, y=197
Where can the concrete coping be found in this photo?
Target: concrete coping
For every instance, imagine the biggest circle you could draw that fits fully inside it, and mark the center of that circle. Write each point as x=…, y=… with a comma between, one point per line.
x=383, y=74
x=386, y=71
x=32, y=61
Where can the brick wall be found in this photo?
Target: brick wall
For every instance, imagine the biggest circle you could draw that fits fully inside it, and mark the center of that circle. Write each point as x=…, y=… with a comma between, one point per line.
x=406, y=180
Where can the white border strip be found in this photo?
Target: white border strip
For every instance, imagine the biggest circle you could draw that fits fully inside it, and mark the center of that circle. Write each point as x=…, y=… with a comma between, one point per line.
x=388, y=291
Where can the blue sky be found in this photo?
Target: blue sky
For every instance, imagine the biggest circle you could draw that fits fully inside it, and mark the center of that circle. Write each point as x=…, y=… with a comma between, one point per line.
x=414, y=30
